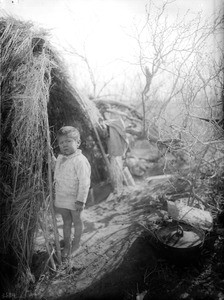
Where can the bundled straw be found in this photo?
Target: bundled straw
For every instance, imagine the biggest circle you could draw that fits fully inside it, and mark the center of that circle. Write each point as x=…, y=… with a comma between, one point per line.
x=26, y=82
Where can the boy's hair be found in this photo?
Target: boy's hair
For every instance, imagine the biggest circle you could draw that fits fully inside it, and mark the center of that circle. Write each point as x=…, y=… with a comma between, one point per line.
x=69, y=131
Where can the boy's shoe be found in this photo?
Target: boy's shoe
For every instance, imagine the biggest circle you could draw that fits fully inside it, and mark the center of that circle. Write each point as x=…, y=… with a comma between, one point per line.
x=65, y=252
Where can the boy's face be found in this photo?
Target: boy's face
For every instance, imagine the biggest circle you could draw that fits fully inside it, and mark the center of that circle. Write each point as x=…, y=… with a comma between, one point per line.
x=67, y=145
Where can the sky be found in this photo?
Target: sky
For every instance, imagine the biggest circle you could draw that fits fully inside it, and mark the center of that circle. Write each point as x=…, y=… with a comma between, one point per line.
x=100, y=28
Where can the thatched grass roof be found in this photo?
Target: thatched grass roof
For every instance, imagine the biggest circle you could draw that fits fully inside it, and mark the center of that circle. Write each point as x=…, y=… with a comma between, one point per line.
x=36, y=95
x=26, y=49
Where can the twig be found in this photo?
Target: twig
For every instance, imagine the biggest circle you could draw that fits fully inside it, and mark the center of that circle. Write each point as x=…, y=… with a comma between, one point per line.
x=56, y=235
x=47, y=246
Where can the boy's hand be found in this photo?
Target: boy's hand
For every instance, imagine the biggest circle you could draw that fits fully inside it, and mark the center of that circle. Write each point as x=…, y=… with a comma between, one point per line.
x=79, y=206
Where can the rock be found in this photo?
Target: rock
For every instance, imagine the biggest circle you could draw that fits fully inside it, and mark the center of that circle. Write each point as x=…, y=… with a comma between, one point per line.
x=135, y=166
x=184, y=296
x=145, y=150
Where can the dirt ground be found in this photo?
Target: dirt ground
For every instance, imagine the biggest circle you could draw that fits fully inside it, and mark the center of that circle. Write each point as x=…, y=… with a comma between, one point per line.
x=119, y=258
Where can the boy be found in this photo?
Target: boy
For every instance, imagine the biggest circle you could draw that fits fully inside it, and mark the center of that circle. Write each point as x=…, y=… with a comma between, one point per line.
x=72, y=182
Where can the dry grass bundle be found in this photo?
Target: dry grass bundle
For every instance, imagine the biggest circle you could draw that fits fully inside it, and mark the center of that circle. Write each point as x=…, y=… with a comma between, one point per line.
x=26, y=74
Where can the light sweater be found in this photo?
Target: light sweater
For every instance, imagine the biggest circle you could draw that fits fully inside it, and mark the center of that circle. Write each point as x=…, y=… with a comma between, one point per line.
x=72, y=180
